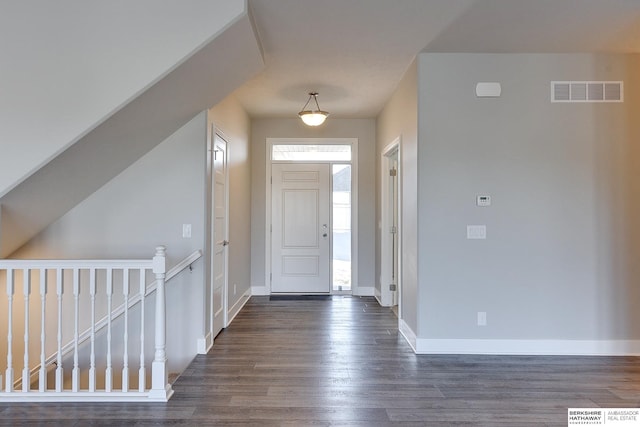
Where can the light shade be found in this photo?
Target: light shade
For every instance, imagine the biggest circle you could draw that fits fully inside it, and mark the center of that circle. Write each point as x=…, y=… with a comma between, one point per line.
x=313, y=117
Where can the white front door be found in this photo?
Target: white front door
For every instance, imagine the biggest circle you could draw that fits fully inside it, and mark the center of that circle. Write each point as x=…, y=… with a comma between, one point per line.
x=220, y=242
x=300, y=233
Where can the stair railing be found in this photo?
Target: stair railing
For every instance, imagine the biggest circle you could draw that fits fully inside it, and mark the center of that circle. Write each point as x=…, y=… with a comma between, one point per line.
x=51, y=361
x=55, y=274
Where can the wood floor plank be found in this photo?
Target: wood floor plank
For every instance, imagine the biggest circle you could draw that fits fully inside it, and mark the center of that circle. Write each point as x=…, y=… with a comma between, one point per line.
x=343, y=363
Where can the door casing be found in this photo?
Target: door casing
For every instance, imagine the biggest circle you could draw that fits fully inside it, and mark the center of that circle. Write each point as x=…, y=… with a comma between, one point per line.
x=206, y=341
x=386, y=295
x=219, y=243
x=354, y=196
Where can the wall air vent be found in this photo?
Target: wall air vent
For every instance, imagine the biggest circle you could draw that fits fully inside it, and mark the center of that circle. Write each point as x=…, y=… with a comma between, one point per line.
x=574, y=91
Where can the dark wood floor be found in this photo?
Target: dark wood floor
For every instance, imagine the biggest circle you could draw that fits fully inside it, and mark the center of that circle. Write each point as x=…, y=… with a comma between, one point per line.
x=342, y=362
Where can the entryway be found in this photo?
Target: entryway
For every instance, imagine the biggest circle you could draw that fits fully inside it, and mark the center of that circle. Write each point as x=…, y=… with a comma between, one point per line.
x=311, y=215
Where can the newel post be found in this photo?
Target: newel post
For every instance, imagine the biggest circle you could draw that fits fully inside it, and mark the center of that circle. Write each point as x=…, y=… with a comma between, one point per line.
x=160, y=387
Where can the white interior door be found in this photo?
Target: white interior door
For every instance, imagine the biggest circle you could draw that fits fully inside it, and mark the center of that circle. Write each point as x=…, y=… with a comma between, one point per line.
x=301, y=229
x=220, y=239
x=393, y=190
x=390, y=239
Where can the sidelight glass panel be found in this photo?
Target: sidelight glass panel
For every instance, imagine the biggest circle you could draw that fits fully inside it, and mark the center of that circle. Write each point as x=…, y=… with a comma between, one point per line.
x=341, y=232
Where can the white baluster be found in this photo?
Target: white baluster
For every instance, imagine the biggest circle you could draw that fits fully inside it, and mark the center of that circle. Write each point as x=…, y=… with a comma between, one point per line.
x=9, y=372
x=142, y=374
x=160, y=389
x=125, y=356
x=59, y=292
x=26, y=288
x=108, y=378
x=75, y=374
x=42, y=383
x=92, y=363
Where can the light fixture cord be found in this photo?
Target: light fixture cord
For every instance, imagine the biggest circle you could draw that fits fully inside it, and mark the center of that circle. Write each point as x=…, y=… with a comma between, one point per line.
x=313, y=95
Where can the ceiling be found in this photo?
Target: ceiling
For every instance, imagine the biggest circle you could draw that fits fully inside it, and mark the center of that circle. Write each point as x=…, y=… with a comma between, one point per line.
x=354, y=52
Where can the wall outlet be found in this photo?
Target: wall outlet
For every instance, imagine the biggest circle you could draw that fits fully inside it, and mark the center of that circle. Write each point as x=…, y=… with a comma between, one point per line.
x=186, y=231
x=482, y=318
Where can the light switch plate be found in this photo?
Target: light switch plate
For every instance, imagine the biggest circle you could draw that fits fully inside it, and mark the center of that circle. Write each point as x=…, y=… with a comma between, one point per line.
x=476, y=231
x=482, y=318
x=186, y=231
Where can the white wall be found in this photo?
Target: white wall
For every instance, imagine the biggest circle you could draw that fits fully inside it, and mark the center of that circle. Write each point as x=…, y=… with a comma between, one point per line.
x=558, y=271
x=399, y=118
x=233, y=121
x=143, y=207
x=68, y=65
x=364, y=130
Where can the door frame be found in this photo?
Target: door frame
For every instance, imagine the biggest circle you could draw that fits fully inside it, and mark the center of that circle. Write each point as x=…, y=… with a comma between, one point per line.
x=206, y=341
x=386, y=295
x=353, y=142
x=225, y=287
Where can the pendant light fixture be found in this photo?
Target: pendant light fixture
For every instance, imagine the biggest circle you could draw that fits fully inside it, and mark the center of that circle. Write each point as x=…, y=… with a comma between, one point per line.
x=313, y=117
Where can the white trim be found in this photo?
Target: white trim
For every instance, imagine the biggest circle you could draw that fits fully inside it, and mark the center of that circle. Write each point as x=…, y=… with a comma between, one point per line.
x=529, y=347
x=354, y=204
x=386, y=296
x=377, y=294
x=227, y=206
x=233, y=311
x=259, y=291
x=408, y=334
x=364, y=291
x=216, y=132
x=85, y=396
x=204, y=344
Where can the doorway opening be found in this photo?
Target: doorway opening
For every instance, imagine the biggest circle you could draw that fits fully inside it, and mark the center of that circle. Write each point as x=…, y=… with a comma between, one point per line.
x=311, y=216
x=391, y=233
x=216, y=239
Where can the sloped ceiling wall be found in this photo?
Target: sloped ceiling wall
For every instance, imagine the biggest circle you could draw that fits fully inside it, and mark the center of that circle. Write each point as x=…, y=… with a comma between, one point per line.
x=68, y=65
x=202, y=79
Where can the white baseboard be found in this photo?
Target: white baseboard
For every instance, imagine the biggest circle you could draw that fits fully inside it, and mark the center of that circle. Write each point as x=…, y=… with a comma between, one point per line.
x=204, y=344
x=528, y=347
x=364, y=291
x=238, y=306
x=259, y=291
x=408, y=334
x=378, y=295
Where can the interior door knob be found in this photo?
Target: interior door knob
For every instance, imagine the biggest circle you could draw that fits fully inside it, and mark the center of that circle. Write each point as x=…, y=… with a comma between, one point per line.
x=225, y=243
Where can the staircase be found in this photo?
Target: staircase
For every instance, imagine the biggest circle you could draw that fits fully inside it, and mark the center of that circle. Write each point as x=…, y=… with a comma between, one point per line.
x=75, y=345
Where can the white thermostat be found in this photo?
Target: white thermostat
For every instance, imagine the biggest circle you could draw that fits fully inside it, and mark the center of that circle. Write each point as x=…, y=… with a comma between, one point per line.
x=483, y=201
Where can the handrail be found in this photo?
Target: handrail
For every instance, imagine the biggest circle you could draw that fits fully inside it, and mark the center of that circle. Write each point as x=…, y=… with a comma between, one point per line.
x=117, y=312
